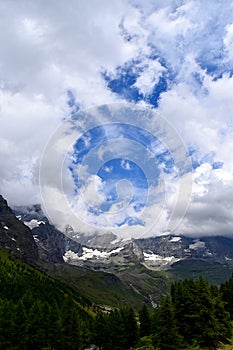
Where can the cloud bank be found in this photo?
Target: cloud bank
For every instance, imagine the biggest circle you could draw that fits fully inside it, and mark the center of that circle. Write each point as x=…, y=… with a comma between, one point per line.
x=176, y=57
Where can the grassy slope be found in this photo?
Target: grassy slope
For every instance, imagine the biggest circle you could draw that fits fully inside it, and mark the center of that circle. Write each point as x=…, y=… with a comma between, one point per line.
x=25, y=276
x=213, y=272
x=135, y=285
x=130, y=287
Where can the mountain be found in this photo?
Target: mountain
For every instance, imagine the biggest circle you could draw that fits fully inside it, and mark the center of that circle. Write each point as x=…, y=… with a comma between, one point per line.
x=71, y=306
x=186, y=257
x=124, y=283
x=218, y=248
x=111, y=271
x=180, y=256
x=161, y=253
x=15, y=236
x=106, y=252
x=51, y=243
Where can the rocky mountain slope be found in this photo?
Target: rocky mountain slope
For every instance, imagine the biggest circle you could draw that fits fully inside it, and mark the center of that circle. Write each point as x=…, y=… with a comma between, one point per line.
x=51, y=243
x=109, y=270
x=16, y=237
x=104, y=252
x=156, y=253
x=48, y=250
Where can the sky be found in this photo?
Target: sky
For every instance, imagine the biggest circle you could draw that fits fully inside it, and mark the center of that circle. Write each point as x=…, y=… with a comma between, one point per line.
x=118, y=115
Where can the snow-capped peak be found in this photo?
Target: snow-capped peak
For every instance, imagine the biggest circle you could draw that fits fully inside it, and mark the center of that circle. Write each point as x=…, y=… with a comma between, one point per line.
x=33, y=223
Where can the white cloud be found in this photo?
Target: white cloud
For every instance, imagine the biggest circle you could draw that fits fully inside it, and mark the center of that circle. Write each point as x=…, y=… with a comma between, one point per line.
x=44, y=53
x=48, y=48
x=125, y=164
x=108, y=169
x=228, y=40
x=152, y=71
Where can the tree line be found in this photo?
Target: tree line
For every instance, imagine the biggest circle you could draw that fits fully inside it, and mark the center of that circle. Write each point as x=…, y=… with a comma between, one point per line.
x=194, y=315
x=38, y=312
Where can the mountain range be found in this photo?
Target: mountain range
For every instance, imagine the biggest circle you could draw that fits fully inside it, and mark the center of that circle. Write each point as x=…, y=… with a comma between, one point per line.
x=112, y=271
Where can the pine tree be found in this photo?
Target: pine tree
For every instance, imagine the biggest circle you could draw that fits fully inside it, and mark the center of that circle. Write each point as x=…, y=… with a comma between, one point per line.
x=115, y=336
x=130, y=328
x=145, y=321
x=183, y=299
x=7, y=310
x=168, y=337
x=100, y=330
x=71, y=325
x=54, y=328
x=206, y=328
x=36, y=326
x=226, y=290
x=20, y=320
x=224, y=327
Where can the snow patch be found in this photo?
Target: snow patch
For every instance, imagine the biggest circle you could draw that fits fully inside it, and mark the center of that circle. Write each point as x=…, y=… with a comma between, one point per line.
x=69, y=255
x=33, y=223
x=228, y=259
x=155, y=257
x=89, y=253
x=175, y=239
x=197, y=245
x=114, y=251
x=35, y=237
x=157, y=261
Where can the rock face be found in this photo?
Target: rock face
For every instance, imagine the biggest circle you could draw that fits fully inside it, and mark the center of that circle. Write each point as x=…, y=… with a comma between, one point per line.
x=51, y=243
x=15, y=236
x=105, y=252
x=218, y=249
x=157, y=253
x=107, y=241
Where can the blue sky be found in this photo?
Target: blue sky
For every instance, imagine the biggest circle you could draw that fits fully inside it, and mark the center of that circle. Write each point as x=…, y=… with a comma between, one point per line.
x=171, y=57
x=126, y=179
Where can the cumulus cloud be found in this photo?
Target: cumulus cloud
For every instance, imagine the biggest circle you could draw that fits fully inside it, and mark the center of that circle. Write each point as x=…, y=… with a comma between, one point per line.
x=57, y=58
x=210, y=212
x=47, y=50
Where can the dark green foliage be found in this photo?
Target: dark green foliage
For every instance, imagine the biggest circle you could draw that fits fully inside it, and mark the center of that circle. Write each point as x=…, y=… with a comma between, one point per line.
x=145, y=321
x=100, y=330
x=117, y=330
x=130, y=328
x=200, y=314
x=167, y=337
x=224, y=329
x=226, y=290
x=37, y=312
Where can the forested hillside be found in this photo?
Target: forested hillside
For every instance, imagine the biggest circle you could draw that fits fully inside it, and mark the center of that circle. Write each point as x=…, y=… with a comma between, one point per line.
x=38, y=312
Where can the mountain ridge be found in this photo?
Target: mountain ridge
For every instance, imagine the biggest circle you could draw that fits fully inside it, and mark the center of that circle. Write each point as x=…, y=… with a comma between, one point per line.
x=105, y=252
x=16, y=237
x=119, y=272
